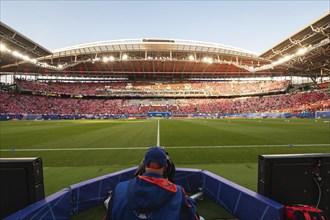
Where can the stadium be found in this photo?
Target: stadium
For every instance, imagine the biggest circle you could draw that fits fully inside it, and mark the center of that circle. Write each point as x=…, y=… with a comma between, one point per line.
x=93, y=109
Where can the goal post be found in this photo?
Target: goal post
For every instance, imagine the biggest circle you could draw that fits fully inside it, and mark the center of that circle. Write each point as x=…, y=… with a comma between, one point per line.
x=322, y=114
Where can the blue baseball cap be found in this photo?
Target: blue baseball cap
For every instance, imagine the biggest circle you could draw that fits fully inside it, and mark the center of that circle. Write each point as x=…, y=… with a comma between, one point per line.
x=156, y=155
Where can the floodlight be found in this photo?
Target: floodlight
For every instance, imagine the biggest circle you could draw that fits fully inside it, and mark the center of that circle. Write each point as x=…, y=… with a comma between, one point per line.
x=191, y=57
x=207, y=59
x=284, y=59
x=111, y=58
x=16, y=54
x=3, y=47
x=302, y=51
x=124, y=57
x=25, y=58
x=105, y=59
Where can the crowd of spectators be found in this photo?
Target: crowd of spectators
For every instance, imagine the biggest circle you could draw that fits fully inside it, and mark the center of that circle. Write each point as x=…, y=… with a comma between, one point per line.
x=309, y=101
x=69, y=88
x=294, y=102
x=143, y=88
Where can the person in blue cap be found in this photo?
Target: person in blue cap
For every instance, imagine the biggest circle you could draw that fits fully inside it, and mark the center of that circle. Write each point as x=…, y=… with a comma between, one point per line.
x=150, y=196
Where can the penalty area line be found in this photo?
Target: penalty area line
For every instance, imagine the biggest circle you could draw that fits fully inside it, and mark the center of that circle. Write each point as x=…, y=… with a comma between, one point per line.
x=174, y=147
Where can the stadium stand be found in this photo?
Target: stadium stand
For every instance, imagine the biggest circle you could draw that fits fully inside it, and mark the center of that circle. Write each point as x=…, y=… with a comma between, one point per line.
x=202, y=89
x=295, y=102
x=180, y=77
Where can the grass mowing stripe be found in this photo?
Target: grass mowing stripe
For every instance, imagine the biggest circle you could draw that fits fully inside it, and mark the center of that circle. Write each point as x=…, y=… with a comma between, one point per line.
x=254, y=146
x=175, y=147
x=220, y=132
x=77, y=149
x=80, y=135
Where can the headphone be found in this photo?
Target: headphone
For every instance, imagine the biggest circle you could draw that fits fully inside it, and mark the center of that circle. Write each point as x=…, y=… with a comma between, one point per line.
x=169, y=171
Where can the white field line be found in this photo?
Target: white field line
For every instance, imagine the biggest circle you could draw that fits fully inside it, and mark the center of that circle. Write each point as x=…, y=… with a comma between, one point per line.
x=175, y=147
x=158, y=135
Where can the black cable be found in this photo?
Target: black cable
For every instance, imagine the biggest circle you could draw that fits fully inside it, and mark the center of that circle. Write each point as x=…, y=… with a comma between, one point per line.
x=320, y=192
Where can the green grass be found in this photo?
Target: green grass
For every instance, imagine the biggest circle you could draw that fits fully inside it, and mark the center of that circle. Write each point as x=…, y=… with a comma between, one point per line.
x=74, y=151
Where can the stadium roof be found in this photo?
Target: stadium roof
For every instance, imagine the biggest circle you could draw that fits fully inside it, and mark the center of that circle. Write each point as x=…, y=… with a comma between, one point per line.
x=314, y=37
x=305, y=53
x=17, y=41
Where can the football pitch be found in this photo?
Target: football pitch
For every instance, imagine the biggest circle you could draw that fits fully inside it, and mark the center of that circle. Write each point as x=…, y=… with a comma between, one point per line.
x=76, y=150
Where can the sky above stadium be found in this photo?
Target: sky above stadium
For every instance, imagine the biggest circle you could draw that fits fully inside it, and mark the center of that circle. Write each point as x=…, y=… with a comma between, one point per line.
x=250, y=25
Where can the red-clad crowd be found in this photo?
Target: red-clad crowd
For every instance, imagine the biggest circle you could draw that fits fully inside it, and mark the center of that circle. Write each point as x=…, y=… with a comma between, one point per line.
x=204, y=88
x=294, y=102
